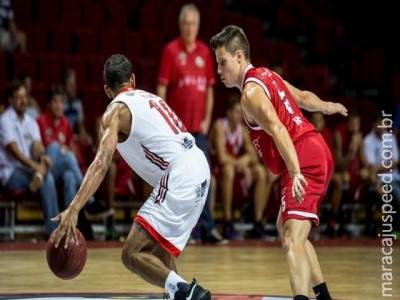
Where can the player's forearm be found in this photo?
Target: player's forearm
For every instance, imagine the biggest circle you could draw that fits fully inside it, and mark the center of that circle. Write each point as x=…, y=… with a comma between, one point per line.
x=311, y=102
x=93, y=178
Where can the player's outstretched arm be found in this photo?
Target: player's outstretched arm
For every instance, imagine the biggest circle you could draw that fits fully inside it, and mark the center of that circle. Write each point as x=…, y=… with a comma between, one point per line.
x=108, y=135
x=311, y=102
x=259, y=109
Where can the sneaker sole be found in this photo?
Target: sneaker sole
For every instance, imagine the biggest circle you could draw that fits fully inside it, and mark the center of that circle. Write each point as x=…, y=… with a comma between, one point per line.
x=206, y=295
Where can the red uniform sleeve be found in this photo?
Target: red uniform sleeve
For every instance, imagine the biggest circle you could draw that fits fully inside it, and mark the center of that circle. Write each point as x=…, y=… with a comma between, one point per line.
x=164, y=75
x=210, y=69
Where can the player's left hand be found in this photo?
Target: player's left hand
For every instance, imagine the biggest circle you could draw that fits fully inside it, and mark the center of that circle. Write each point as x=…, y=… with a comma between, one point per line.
x=335, y=108
x=297, y=188
x=68, y=220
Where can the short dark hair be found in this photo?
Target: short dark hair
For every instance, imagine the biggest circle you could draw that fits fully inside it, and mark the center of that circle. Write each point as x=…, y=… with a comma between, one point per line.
x=232, y=38
x=55, y=89
x=14, y=86
x=117, y=70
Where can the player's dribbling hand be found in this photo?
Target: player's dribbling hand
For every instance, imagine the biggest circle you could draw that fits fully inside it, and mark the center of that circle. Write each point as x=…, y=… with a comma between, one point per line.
x=297, y=188
x=68, y=220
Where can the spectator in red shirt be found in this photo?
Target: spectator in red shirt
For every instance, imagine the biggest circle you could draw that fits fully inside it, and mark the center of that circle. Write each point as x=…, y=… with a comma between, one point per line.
x=185, y=81
x=57, y=137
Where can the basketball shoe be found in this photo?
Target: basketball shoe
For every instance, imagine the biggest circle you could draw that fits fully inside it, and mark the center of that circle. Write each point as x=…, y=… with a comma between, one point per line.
x=191, y=291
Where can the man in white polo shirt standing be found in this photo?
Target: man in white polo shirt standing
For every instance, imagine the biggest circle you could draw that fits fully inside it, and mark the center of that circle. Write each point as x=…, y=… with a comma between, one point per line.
x=23, y=163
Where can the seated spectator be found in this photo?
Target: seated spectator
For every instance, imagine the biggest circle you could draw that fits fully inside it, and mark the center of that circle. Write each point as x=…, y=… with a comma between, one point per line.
x=234, y=156
x=335, y=194
x=33, y=108
x=350, y=160
x=73, y=107
x=57, y=137
x=73, y=110
x=11, y=37
x=376, y=142
x=24, y=165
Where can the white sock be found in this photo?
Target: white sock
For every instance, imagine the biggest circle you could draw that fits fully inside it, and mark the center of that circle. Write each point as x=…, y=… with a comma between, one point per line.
x=171, y=284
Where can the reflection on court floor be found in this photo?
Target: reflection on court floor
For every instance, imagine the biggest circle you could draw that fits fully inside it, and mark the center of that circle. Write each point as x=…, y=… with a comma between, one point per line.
x=129, y=297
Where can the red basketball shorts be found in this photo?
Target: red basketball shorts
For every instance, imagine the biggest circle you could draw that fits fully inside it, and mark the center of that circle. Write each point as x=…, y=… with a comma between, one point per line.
x=316, y=165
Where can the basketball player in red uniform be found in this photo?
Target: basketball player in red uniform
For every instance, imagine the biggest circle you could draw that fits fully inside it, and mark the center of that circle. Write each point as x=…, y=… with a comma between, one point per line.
x=289, y=145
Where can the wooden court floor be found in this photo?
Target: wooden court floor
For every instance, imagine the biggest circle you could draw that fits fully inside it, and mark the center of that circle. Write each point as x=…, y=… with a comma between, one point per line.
x=352, y=270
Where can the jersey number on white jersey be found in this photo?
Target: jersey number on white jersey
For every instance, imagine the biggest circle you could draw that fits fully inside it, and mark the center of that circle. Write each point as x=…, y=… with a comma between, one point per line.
x=169, y=116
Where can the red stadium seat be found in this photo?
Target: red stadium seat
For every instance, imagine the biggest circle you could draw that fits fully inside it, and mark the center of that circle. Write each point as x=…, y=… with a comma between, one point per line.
x=94, y=102
x=110, y=42
x=95, y=70
x=94, y=14
x=48, y=11
x=3, y=68
x=116, y=15
x=24, y=63
x=169, y=23
x=3, y=89
x=60, y=40
x=315, y=78
x=87, y=41
x=77, y=63
x=149, y=18
x=132, y=44
x=153, y=44
x=22, y=13
x=37, y=38
x=147, y=78
x=50, y=68
x=39, y=92
x=71, y=13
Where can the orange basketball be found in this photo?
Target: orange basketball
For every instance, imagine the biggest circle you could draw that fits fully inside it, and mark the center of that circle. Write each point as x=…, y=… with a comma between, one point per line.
x=67, y=263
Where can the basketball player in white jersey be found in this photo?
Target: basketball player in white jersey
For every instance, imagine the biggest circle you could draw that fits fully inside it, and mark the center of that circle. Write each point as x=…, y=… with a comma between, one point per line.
x=155, y=143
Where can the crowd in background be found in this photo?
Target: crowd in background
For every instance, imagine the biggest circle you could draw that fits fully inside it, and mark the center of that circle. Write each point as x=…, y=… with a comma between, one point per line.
x=46, y=144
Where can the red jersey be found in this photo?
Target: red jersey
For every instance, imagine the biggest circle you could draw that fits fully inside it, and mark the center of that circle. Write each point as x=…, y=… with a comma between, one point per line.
x=187, y=76
x=287, y=110
x=50, y=132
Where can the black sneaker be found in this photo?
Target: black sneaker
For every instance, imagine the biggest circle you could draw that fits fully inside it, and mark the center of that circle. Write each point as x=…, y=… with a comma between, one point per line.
x=191, y=291
x=257, y=232
x=214, y=237
x=98, y=209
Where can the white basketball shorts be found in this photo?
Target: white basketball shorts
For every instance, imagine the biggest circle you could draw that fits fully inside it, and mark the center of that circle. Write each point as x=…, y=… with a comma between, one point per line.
x=175, y=205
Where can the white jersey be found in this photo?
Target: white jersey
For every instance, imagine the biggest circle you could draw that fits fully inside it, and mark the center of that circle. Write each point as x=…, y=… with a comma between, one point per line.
x=163, y=153
x=157, y=135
